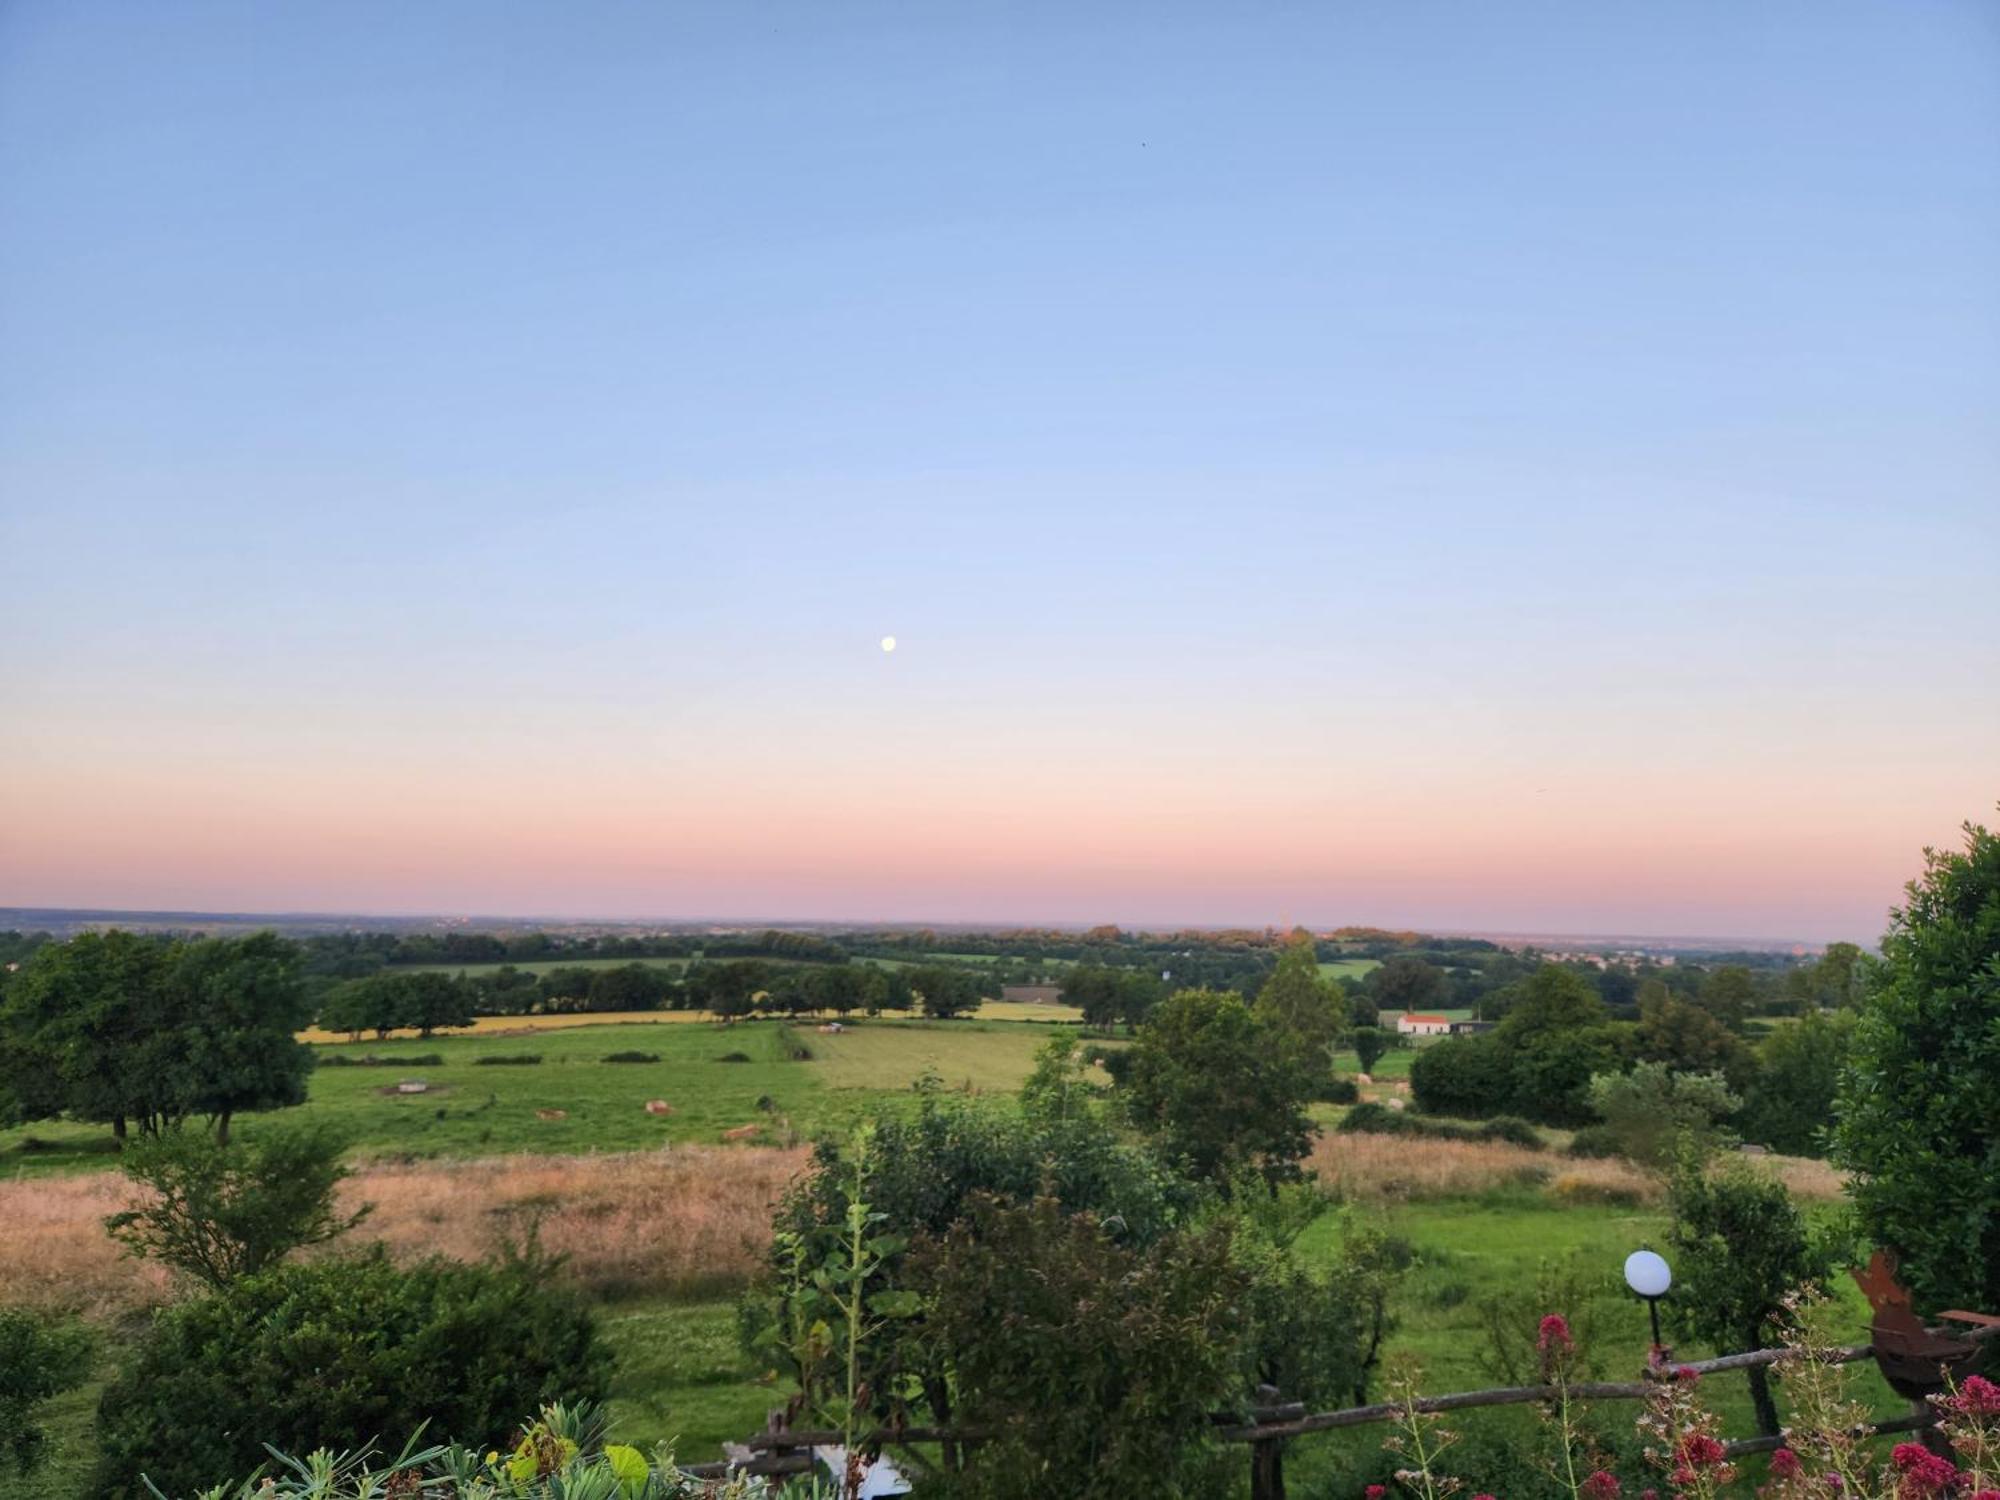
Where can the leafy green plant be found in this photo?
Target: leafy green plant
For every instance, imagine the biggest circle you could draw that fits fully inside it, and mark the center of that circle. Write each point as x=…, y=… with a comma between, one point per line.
x=1915, y=1114
x=1655, y=1113
x=633, y=1057
x=1091, y=1364
x=1739, y=1247
x=508, y=1060
x=339, y=1348
x=218, y=1213
x=38, y=1360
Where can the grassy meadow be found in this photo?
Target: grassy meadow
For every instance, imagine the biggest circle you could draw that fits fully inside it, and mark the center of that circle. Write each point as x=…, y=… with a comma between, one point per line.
x=664, y=1223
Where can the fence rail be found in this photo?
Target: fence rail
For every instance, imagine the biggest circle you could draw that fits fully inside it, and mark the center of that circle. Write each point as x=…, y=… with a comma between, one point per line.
x=1268, y=1425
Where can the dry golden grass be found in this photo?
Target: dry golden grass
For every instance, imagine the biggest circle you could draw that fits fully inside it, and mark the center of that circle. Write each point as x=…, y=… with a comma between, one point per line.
x=1394, y=1167
x=687, y=1219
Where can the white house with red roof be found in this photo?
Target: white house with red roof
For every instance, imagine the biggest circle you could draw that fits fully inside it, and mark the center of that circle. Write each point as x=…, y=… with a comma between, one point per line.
x=1411, y=1024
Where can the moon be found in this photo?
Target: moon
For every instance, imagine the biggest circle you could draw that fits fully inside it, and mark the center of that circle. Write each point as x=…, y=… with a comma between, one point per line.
x=888, y=643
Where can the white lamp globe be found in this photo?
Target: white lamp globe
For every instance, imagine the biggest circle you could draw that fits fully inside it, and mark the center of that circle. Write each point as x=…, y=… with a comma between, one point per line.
x=1647, y=1274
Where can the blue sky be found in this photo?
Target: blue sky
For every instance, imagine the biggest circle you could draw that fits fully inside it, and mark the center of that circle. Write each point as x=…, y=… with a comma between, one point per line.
x=1431, y=456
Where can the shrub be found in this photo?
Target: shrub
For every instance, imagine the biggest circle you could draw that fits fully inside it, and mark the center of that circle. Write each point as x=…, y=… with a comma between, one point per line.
x=1512, y=1129
x=734, y=1057
x=1652, y=1111
x=37, y=1360
x=219, y=1212
x=372, y=1060
x=1094, y=1364
x=1337, y=1089
x=333, y=1350
x=1463, y=1075
x=508, y=1060
x=1594, y=1142
x=632, y=1057
x=1378, y=1119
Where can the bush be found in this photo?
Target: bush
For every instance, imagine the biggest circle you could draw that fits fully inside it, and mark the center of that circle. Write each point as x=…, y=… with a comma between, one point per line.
x=508, y=1060
x=1379, y=1119
x=1092, y=1363
x=1513, y=1130
x=1595, y=1142
x=37, y=1360
x=371, y=1060
x=632, y=1057
x=220, y=1212
x=1463, y=1075
x=734, y=1057
x=337, y=1351
x=1339, y=1090
x=1653, y=1112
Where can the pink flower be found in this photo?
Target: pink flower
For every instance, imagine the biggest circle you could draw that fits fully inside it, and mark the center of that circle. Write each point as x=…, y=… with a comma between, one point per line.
x=1376, y=1491
x=1921, y=1472
x=1700, y=1451
x=1601, y=1486
x=1977, y=1397
x=1987, y=1495
x=1785, y=1464
x=1482, y=1497
x=1687, y=1375
x=1649, y=1495
x=1553, y=1337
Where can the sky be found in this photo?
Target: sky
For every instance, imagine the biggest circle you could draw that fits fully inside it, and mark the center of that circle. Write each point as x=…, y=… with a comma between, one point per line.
x=1525, y=468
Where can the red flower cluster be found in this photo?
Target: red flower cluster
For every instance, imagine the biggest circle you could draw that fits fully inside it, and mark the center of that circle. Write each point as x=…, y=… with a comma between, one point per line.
x=1785, y=1464
x=1920, y=1472
x=1694, y=1452
x=1553, y=1337
x=1978, y=1397
x=1601, y=1486
x=1376, y=1491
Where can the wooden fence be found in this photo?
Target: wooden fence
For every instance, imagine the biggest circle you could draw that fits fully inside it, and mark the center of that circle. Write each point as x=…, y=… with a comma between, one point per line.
x=1269, y=1425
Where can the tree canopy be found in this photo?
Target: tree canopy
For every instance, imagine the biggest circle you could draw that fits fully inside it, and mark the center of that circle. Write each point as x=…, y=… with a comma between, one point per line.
x=1915, y=1114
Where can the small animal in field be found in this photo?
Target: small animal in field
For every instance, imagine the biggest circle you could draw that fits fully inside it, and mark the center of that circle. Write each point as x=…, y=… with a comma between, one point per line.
x=658, y=1107
x=741, y=1132
x=551, y=1114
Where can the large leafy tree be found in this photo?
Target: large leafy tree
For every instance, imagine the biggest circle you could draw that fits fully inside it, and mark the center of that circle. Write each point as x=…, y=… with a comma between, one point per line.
x=1297, y=1005
x=1218, y=1089
x=1915, y=1114
x=240, y=1006
x=84, y=1031
x=132, y=1031
x=1790, y=1102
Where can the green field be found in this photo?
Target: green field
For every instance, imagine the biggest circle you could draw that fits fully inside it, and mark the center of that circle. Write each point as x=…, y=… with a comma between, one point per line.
x=470, y=1109
x=681, y=1373
x=1347, y=968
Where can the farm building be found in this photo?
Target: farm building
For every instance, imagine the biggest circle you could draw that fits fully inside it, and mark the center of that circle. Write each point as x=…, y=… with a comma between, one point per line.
x=1415, y=1025
x=1471, y=1028
x=1032, y=994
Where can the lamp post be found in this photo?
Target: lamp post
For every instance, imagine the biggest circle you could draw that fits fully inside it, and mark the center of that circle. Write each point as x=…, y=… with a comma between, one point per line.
x=1649, y=1276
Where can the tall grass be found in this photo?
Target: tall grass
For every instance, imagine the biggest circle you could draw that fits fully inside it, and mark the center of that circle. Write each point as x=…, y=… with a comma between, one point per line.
x=1384, y=1168
x=683, y=1221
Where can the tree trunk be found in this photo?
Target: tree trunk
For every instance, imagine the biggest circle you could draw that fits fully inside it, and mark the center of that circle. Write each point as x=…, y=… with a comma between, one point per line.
x=118, y=1130
x=1760, y=1397
x=222, y=1128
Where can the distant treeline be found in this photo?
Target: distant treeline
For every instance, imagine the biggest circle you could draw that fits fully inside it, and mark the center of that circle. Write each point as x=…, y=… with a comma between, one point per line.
x=429, y=999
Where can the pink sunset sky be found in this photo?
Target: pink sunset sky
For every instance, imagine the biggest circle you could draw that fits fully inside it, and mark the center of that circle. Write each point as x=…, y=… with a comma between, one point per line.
x=1537, y=474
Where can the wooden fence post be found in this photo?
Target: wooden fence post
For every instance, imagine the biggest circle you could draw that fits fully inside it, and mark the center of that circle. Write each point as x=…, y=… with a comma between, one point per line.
x=1267, y=1457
